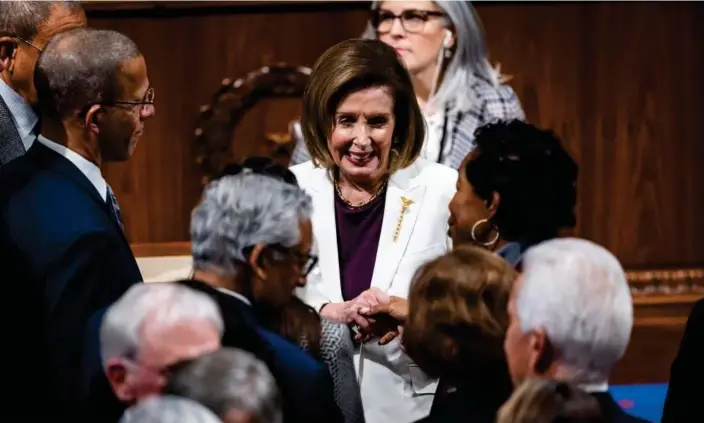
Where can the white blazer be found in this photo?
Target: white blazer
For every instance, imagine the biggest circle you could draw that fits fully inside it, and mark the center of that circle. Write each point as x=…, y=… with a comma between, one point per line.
x=393, y=388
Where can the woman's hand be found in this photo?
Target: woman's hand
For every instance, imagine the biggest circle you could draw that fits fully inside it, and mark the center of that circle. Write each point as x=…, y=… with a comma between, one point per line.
x=346, y=313
x=387, y=317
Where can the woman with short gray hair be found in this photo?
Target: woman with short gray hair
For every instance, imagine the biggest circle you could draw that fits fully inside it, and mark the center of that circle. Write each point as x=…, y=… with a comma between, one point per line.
x=443, y=46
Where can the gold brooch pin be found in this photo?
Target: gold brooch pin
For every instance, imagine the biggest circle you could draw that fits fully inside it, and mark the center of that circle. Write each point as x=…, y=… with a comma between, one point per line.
x=405, y=204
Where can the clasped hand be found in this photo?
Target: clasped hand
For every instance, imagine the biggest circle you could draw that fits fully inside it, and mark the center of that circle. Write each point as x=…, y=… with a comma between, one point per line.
x=373, y=313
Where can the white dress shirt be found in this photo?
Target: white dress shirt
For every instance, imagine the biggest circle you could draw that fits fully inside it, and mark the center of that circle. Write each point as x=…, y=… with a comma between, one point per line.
x=433, y=136
x=22, y=113
x=87, y=168
x=236, y=295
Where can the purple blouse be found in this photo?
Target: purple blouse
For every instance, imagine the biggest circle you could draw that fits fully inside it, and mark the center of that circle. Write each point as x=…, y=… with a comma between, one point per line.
x=358, y=232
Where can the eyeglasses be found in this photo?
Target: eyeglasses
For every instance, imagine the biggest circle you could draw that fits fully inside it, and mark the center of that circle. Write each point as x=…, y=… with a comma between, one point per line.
x=411, y=20
x=146, y=102
x=5, y=34
x=28, y=43
x=306, y=261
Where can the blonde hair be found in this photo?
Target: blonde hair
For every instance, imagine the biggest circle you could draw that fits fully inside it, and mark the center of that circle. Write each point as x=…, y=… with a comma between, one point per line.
x=548, y=401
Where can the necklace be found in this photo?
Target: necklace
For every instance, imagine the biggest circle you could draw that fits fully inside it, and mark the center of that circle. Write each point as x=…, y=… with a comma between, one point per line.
x=381, y=189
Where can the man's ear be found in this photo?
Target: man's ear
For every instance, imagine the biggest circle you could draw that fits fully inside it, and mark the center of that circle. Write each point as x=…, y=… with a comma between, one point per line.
x=542, y=354
x=256, y=259
x=116, y=374
x=93, y=117
x=8, y=52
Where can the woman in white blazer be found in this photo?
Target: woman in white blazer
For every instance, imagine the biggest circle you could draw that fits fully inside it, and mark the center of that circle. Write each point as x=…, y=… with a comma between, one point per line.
x=379, y=211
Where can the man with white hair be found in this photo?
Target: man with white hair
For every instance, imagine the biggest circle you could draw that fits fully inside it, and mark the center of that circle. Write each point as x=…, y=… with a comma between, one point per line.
x=571, y=316
x=232, y=383
x=150, y=329
x=168, y=409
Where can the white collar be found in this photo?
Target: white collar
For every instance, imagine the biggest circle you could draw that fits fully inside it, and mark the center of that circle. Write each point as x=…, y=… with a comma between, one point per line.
x=22, y=113
x=592, y=388
x=236, y=295
x=87, y=168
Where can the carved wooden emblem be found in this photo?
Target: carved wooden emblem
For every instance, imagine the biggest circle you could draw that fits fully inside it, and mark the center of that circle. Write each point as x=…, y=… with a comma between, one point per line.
x=232, y=101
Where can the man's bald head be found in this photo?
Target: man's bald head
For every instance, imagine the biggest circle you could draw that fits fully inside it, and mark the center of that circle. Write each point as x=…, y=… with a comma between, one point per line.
x=80, y=67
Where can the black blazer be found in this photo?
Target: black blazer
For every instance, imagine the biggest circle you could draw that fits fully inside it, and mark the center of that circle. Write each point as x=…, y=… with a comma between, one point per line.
x=612, y=412
x=477, y=400
x=684, y=400
x=63, y=259
x=305, y=384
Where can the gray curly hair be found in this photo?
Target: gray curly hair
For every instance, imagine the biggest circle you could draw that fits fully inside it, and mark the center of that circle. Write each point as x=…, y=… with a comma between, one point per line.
x=242, y=211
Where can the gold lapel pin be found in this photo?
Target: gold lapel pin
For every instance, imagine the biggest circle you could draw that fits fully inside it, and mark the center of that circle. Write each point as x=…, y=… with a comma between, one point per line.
x=405, y=205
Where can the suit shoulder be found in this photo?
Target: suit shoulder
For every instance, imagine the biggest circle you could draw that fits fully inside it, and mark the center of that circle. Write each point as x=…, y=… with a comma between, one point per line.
x=306, y=171
x=436, y=175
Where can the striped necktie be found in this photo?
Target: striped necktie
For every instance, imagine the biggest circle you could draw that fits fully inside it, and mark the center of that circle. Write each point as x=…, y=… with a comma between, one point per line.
x=114, y=207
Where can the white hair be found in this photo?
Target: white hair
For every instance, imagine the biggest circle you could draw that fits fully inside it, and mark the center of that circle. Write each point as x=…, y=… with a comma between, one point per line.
x=470, y=57
x=168, y=303
x=577, y=292
x=168, y=409
x=230, y=379
x=242, y=211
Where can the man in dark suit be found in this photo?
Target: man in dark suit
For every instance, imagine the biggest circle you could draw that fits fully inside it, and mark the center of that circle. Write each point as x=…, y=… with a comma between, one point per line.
x=25, y=28
x=63, y=251
x=683, y=402
x=251, y=238
x=570, y=319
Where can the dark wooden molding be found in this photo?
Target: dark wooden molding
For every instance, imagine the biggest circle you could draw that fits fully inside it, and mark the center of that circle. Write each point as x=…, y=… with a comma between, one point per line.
x=234, y=98
x=168, y=9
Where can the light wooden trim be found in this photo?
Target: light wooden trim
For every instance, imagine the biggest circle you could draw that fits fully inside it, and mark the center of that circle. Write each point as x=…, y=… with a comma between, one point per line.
x=650, y=287
x=661, y=321
x=162, y=249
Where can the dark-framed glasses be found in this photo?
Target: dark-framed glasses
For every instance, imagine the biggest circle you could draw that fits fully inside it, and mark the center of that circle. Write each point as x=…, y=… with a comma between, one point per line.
x=146, y=102
x=20, y=39
x=306, y=261
x=412, y=20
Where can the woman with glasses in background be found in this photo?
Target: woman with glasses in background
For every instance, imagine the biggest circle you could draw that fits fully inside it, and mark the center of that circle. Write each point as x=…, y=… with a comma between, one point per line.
x=443, y=47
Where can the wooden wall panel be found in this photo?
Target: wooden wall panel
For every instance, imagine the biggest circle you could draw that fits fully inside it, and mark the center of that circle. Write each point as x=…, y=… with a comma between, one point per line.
x=189, y=52
x=619, y=81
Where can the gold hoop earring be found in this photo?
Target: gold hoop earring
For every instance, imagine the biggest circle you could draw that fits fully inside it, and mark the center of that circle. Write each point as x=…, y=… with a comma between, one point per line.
x=474, y=235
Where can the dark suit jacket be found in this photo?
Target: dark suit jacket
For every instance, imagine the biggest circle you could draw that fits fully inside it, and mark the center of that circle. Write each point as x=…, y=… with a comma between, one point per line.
x=684, y=400
x=63, y=259
x=10, y=141
x=477, y=400
x=305, y=384
x=612, y=412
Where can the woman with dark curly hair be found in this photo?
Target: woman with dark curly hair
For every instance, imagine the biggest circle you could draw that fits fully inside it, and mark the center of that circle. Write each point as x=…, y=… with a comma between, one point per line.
x=516, y=189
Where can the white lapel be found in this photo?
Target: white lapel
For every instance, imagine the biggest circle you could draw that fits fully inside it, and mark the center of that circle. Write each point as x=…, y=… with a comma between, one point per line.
x=324, y=228
x=392, y=245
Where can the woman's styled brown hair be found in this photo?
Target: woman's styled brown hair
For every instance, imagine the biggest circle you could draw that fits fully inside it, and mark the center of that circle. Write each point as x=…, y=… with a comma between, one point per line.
x=350, y=66
x=550, y=401
x=458, y=313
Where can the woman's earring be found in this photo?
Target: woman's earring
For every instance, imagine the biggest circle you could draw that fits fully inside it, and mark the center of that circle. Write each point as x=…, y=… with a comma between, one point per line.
x=474, y=235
